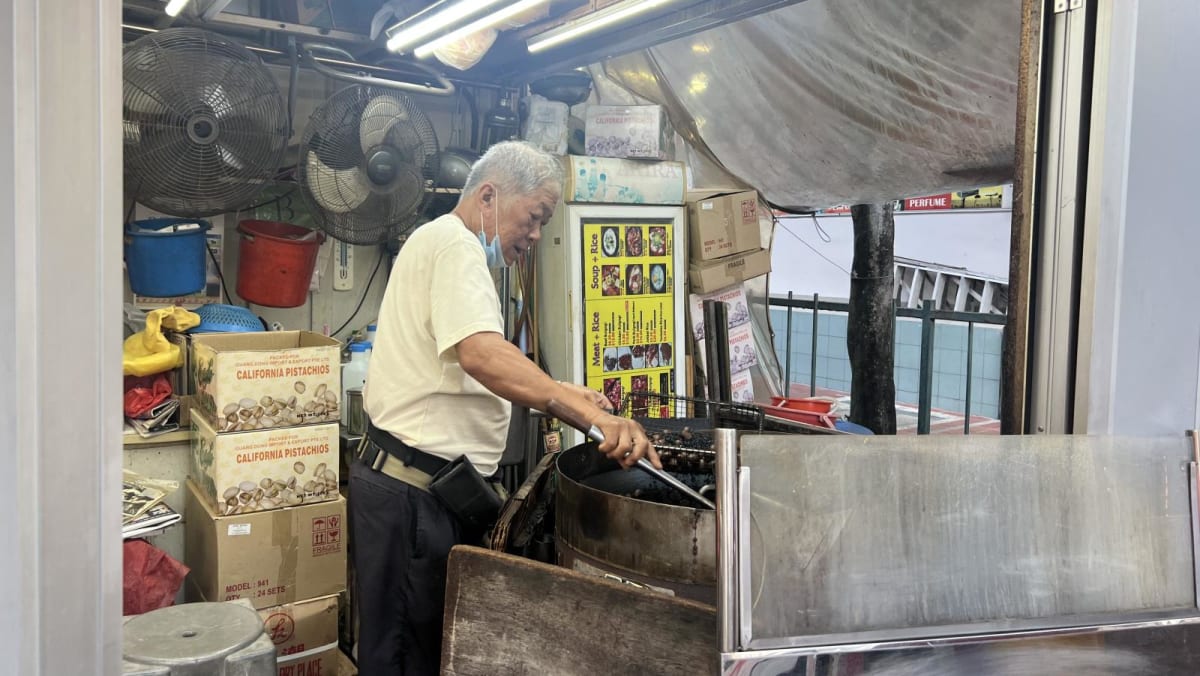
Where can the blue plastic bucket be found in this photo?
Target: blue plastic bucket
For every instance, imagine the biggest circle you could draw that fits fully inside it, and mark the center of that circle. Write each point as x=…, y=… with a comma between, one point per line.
x=166, y=259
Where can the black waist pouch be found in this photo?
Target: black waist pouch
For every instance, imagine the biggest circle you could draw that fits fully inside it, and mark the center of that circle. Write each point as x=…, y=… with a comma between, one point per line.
x=464, y=491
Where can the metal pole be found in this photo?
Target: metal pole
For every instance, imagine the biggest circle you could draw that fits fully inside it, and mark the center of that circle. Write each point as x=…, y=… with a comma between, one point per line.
x=970, y=358
x=716, y=350
x=726, y=446
x=925, y=396
x=787, y=357
x=812, y=371
x=720, y=339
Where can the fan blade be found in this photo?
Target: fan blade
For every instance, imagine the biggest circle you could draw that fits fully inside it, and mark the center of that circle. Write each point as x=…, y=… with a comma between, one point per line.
x=336, y=190
x=407, y=142
x=378, y=118
x=217, y=101
x=408, y=191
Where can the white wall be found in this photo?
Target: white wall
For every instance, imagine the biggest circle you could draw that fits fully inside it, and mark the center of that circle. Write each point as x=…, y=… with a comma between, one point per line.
x=805, y=264
x=1144, y=363
x=60, y=333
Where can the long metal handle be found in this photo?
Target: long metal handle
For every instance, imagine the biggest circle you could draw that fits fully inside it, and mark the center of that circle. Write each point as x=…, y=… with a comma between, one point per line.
x=568, y=416
x=659, y=474
x=444, y=88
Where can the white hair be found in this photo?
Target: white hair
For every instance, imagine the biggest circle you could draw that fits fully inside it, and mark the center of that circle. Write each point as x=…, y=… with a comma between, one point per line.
x=516, y=168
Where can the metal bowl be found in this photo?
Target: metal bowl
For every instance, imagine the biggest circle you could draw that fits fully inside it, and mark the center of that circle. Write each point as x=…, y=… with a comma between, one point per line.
x=454, y=166
x=572, y=87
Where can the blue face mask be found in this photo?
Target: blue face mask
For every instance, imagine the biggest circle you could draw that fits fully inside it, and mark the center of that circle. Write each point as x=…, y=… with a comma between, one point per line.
x=493, y=251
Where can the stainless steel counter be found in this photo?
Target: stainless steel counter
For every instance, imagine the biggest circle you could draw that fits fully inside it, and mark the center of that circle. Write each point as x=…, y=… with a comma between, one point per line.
x=857, y=544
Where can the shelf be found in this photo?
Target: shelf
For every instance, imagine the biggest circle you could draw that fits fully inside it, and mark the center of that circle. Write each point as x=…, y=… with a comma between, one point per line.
x=177, y=437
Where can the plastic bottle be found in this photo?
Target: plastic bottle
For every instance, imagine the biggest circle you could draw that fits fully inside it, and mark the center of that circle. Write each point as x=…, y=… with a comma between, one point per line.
x=354, y=374
x=371, y=334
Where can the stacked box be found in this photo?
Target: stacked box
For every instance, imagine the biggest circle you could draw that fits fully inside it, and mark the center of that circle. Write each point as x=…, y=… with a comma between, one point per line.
x=305, y=635
x=724, y=272
x=725, y=243
x=270, y=558
x=265, y=425
x=603, y=180
x=722, y=223
x=629, y=132
x=240, y=472
x=263, y=379
x=264, y=518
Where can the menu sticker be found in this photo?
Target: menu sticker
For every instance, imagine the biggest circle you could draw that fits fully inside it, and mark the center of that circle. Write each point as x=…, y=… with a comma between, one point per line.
x=629, y=312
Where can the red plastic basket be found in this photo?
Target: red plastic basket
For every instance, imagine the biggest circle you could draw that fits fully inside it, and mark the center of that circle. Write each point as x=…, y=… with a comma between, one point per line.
x=276, y=262
x=809, y=411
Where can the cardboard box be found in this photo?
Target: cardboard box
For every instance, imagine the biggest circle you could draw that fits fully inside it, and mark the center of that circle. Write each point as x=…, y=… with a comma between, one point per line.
x=741, y=387
x=724, y=272
x=305, y=634
x=266, y=469
x=737, y=310
x=742, y=353
x=605, y=180
x=722, y=223
x=269, y=558
x=632, y=132
x=267, y=378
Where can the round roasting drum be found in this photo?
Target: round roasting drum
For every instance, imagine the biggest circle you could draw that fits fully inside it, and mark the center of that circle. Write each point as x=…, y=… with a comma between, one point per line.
x=656, y=539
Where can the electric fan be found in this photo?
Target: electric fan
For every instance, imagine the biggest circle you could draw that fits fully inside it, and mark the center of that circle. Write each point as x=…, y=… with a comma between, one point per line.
x=368, y=160
x=205, y=124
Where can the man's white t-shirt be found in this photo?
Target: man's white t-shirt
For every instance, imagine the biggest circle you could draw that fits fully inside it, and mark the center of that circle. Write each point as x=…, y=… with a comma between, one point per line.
x=440, y=292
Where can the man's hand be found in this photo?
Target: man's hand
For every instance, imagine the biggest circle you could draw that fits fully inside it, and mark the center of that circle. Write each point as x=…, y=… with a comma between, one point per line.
x=625, y=441
x=591, y=395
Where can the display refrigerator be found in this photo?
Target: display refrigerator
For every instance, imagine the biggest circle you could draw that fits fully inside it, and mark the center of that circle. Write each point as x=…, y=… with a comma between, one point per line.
x=612, y=284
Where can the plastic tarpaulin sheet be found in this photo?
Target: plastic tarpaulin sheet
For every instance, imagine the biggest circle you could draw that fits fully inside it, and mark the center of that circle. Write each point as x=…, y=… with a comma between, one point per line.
x=705, y=170
x=842, y=101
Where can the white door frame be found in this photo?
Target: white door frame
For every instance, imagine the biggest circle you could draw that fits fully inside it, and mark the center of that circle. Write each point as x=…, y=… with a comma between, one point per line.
x=60, y=336
x=1054, y=320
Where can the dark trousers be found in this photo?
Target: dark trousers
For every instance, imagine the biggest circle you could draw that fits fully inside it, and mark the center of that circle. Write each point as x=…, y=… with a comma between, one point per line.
x=401, y=537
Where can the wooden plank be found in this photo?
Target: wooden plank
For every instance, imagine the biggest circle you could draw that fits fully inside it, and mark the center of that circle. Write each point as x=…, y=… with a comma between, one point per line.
x=509, y=615
x=1014, y=357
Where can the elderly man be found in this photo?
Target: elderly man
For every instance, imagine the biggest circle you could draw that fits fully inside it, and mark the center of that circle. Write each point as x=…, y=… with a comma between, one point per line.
x=439, y=387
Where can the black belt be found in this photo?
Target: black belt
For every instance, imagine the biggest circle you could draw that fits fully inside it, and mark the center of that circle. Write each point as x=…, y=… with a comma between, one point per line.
x=416, y=459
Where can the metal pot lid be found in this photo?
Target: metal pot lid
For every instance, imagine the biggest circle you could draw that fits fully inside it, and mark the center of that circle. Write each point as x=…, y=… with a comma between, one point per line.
x=193, y=633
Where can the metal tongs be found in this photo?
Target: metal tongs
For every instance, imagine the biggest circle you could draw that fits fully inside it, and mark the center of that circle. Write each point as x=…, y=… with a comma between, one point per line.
x=568, y=416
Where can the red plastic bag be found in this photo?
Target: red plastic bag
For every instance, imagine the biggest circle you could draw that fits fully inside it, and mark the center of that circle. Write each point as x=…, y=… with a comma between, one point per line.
x=152, y=578
x=143, y=393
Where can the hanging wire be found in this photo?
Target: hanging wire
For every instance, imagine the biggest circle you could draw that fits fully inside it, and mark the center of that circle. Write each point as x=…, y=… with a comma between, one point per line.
x=829, y=260
x=367, y=290
x=820, y=231
x=217, y=265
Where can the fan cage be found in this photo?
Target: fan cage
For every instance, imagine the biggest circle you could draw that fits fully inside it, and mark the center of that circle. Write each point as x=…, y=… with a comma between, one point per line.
x=205, y=126
x=335, y=174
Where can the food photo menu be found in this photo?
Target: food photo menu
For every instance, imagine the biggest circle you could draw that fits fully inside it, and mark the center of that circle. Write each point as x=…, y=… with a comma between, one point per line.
x=629, y=310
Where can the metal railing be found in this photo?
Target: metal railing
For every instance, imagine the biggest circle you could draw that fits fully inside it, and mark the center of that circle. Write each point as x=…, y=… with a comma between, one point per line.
x=928, y=317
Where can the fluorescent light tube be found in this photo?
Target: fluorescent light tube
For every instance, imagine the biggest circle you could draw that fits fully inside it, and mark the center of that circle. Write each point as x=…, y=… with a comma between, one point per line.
x=488, y=21
x=174, y=7
x=423, y=28
x=592, y=22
